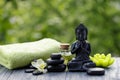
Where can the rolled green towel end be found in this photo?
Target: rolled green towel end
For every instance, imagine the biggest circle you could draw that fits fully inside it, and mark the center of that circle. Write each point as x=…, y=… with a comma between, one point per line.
x=18, y=55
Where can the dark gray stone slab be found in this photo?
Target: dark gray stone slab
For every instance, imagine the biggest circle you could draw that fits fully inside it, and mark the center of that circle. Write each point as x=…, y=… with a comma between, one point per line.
x=76, y=76
x=112, y=73
x=5, y=73
x=52, y=76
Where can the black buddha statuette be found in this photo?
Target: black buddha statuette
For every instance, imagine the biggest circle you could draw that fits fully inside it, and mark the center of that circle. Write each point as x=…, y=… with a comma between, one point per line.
x=82, y=50
x=81, y=47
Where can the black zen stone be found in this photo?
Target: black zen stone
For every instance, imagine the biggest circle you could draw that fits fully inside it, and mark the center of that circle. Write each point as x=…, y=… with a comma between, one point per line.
x=35, y=60
x=95, y=71
x=58, y=68
x=55, y=62
x=32, y=67
x=37, y=72
x=29, y=70
x=56, y=56
x=88, y=65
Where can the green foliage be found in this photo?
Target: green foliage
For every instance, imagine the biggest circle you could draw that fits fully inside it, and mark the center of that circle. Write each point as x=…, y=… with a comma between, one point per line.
x=30, y=20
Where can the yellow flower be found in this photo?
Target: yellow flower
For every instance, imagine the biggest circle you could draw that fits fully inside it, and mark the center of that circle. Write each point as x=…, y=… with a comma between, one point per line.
x=40, y=65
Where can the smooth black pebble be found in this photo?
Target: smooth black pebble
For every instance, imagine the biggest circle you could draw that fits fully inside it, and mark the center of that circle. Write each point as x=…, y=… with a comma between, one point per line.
x=29, y=70
x=88, y=65
x=56, y=56
x=37, y=72
x=58, y=68
x=95, y=71
x=55, y=62
x=32, y=67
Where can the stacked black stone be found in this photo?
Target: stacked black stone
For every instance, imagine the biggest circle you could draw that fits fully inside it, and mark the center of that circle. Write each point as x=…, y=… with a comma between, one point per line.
x=32, y=69
x=55, y=63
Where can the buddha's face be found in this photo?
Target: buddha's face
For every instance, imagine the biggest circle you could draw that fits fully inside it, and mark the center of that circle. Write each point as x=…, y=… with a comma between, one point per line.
x=81, y=34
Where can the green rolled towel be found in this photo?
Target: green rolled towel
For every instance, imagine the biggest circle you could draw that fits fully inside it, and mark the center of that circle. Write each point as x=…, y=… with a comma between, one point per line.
x=21, y=54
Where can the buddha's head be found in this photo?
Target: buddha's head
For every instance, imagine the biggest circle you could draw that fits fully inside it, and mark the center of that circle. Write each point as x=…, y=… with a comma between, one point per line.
x=81, y=32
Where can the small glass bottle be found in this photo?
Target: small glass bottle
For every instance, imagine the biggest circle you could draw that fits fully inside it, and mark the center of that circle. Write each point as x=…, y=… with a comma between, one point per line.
x=65, y=52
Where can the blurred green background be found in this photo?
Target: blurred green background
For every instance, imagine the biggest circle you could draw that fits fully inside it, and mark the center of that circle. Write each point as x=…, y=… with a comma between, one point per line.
x=31, y=20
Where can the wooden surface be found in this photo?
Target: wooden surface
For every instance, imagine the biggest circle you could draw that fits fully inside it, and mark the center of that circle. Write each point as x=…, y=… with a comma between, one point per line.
x=112, y=73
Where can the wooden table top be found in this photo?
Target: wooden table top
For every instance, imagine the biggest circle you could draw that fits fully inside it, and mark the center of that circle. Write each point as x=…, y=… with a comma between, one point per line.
x=112, y=73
